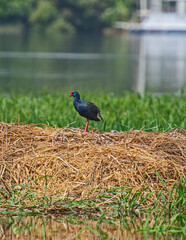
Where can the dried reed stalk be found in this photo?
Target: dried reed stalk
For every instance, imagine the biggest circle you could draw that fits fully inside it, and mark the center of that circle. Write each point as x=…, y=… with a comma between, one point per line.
x=80, y=162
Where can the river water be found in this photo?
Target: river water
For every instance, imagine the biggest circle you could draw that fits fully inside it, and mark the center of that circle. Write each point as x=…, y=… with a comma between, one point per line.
x=52, y=228
x=148, y=62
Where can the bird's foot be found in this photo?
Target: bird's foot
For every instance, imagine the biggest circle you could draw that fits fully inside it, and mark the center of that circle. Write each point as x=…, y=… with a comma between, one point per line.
x=87, y=131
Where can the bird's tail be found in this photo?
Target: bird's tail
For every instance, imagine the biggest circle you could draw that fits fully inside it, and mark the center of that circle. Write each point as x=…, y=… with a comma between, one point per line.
x=100, y=116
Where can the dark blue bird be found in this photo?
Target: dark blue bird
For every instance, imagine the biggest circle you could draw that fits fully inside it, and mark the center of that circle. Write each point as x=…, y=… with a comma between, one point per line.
x=86, y=109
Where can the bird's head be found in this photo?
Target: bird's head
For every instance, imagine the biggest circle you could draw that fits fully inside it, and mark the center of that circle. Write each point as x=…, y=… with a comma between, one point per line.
x=74, y=94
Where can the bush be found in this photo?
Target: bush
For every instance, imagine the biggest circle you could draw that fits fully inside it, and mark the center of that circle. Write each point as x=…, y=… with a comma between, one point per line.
x=66, y=15
x=44, y=14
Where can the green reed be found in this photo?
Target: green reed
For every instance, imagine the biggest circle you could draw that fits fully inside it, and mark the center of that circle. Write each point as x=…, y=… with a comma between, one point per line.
x=159, y=213
x=121, y=113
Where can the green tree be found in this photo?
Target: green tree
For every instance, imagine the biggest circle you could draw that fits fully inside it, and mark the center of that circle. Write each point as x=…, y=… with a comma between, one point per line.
x=15, y=10
x=66, y=15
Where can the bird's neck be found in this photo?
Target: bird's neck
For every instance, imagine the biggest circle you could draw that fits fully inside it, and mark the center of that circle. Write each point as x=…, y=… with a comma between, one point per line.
x=76, y=99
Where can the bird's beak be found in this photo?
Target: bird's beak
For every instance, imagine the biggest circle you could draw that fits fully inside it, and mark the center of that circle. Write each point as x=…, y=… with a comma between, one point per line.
x=70, y=95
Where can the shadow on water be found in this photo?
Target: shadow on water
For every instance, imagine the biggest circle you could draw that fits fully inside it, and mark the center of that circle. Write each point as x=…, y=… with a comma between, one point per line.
x=59, y=228
x=149, y=62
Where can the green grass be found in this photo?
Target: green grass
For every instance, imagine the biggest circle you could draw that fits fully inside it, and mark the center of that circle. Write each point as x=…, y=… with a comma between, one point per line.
x=162, y=214
x=121, y=113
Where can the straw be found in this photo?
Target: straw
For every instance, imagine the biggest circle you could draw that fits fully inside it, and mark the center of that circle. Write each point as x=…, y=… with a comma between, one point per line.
x=80, y=162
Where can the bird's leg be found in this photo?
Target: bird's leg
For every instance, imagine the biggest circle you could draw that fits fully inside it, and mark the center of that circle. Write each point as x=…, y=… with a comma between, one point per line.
x=86, y=128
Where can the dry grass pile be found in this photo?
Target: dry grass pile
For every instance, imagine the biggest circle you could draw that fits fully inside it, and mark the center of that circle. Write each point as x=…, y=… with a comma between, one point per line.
x=80, y=162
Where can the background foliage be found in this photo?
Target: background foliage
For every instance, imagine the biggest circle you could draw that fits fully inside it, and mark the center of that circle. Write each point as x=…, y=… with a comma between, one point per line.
x=66, y=15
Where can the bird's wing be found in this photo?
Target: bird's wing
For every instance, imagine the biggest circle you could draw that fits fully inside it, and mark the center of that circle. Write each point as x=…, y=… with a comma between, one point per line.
x=88, y=109
x=93, y=107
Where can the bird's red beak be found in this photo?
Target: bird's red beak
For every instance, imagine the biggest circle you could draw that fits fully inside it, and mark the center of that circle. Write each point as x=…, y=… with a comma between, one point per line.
x=71, y=94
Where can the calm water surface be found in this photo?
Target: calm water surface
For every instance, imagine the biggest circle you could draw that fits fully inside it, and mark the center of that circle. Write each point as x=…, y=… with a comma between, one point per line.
x=40, y=228
x=148, y=62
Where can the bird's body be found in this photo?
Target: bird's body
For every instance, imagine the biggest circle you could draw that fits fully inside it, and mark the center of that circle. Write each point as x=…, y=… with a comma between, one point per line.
x=85, y=109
